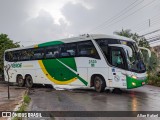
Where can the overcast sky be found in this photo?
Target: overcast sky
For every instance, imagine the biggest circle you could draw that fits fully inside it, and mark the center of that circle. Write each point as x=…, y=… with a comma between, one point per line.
x=36, y=21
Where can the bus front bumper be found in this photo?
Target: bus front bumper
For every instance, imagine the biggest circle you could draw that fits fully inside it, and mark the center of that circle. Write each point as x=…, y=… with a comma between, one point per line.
x=134, y=83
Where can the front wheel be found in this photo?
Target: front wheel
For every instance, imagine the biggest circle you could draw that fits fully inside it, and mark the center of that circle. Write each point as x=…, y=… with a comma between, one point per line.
x=99, y=84
x=29, y=81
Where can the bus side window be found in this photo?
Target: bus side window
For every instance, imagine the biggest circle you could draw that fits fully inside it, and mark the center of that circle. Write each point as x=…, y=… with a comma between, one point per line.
x=63, y=51
x=52, y=52
x=38, y=54
x=71, y=48
x=117, y=58
x=68, y=50
x=8, y=56
x=16, y=56
x=87, y=49
x=106, y=41
x=26, y=55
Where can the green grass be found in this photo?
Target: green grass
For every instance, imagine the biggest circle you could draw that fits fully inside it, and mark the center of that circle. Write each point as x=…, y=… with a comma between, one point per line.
x=26, y=99
x=22, y=108
x=17, y=118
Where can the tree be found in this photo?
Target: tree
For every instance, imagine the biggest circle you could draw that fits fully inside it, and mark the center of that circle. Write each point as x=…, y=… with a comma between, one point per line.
x=142, y=42
x=126, y=33
x=5, y=43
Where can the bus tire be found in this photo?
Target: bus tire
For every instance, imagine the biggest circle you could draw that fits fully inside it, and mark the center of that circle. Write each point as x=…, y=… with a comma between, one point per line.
x=29, y=81
x=20, y=81
x=99, y=84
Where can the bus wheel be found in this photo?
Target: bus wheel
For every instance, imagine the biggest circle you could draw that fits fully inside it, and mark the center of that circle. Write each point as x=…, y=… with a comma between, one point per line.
x=29, y=81
x=99, y=84
x=20, y=81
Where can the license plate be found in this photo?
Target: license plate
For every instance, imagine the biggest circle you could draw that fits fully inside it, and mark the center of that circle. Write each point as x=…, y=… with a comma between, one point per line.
x=143, y=83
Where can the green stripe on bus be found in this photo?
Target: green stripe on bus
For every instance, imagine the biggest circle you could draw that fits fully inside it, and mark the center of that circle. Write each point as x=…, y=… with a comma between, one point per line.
x=50, y=43
x=60, y=72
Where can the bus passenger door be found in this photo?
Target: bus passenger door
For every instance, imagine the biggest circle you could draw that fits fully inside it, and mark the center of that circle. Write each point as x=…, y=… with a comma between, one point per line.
x=117, y=73
x=117, y=78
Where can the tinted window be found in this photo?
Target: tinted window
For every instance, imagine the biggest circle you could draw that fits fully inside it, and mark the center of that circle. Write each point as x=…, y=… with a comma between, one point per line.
x=8, y=56
x=26, y=55
x=87, y=49
x=105, y=42
x=68, y=50
x=12, y=56
x=113, y=41
x=16, y=56
x=37, y=54
x=116, y=58
x=52, y=52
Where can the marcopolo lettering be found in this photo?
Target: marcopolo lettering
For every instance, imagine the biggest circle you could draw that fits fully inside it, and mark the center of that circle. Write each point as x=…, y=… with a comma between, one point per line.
x=16, y=65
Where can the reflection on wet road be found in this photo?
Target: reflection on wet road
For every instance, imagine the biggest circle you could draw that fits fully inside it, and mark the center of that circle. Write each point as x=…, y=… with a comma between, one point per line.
x=140, y=99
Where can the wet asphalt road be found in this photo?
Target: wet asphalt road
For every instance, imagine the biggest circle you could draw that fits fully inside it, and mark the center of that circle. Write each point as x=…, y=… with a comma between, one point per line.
x=146, y=98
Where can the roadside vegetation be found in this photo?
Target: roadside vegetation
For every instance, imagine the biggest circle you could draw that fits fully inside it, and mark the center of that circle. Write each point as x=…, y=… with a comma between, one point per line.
x=154, y=80
x=26, y=101
x=153, y=63
x=23, y=107
x=5, y=43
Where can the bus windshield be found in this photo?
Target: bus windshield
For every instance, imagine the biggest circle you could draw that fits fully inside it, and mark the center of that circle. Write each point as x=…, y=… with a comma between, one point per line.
x=135, y=63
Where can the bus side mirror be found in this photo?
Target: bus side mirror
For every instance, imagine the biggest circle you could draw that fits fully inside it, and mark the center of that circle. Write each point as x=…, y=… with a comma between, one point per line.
x=128, y=50
x=149, y=52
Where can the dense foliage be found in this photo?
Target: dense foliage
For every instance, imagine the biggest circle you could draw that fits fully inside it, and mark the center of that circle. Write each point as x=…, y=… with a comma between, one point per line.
x=5, y=43
x=141, y=41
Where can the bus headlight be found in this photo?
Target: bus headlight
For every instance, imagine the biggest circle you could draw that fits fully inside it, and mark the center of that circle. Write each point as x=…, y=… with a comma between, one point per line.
x=133, y=83
x=134, y=77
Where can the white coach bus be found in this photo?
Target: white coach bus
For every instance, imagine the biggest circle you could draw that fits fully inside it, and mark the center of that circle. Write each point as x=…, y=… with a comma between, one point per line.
x=98, y=61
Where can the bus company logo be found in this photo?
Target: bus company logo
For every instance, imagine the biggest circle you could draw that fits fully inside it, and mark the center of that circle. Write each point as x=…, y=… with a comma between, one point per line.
x=116, y=78
x=16, y=65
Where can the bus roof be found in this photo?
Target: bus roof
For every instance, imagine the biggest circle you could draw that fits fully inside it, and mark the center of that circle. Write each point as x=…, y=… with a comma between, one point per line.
x=80, y=38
